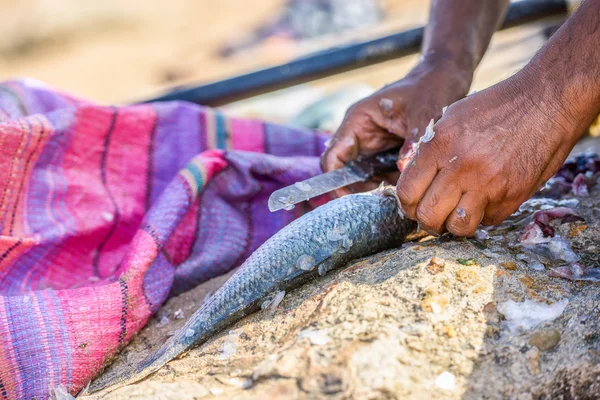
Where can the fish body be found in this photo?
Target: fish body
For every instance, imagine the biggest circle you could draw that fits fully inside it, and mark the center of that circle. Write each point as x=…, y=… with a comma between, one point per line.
x=328, y=237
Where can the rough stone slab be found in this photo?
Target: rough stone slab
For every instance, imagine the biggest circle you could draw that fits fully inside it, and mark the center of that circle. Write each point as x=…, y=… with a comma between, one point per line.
x=393, y=326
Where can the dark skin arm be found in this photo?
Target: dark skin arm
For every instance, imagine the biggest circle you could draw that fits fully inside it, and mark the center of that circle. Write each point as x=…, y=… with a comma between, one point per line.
x=494, y=149
x=456, y=39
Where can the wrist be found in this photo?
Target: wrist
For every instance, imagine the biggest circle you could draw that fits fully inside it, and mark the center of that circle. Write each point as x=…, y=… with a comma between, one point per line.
x=551, y=93
x=446, y=72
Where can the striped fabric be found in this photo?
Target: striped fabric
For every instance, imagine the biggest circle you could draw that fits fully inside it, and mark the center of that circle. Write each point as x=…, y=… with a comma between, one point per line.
x=107, y=211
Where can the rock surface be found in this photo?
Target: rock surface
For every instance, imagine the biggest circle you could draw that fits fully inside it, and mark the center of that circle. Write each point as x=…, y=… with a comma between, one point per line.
x=397, y=325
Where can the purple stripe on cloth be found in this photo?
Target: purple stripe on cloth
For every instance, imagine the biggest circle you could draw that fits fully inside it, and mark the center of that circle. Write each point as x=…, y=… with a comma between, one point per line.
x=14, y=281
x=176, y=142
x=55, y=308
x=52, y=338
x=24, y=330
x=157, y=281
x=289, y=142
x=11, y=104
x=48, y=184
x=164, y=217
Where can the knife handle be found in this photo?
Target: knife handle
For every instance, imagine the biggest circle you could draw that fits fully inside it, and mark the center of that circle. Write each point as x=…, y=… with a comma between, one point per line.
x=380, y=163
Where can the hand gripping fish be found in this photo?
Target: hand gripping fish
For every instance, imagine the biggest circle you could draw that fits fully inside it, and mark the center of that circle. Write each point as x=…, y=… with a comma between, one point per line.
x=327, y=238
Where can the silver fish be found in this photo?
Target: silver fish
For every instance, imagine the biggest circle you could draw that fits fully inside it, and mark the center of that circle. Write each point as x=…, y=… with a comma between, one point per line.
x=329, y=237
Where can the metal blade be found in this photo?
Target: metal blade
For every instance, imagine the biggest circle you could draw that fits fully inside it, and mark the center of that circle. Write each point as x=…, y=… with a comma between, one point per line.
x=285, y=198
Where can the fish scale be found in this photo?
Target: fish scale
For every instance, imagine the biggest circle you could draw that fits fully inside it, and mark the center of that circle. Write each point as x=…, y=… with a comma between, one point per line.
x=366, y=223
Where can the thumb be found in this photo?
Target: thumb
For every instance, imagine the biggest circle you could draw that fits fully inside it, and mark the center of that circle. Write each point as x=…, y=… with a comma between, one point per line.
x=343, y=148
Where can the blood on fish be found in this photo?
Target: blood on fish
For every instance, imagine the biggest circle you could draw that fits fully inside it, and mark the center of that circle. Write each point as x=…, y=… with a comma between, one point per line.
x=539, y=229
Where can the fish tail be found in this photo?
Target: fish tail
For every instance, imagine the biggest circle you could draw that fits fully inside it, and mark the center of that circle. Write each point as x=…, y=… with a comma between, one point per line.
x=155, y=361
x=151, y=364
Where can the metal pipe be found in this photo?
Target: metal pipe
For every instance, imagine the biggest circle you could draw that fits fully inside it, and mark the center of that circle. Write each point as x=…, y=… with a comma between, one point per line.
x=339, y=59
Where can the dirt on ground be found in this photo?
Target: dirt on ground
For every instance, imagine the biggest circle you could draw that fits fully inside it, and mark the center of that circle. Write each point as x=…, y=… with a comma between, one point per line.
x=127, y=50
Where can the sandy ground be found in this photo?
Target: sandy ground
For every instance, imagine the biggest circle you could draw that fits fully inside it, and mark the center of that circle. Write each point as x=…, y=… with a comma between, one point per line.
x=121, y=51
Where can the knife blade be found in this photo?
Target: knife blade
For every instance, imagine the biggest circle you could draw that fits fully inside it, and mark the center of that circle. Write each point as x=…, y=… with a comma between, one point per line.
x=359, y=170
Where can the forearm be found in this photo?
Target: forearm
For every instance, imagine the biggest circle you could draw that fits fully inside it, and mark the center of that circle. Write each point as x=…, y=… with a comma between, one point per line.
x=459, y=32
x=566, y=71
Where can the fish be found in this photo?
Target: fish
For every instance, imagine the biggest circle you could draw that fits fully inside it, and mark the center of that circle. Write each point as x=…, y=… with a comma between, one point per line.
x=322, y=240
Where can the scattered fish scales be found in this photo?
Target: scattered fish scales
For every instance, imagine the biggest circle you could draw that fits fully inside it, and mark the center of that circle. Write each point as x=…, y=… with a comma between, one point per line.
x=229, y=346
x=289, y=207
x=271, y=304
x=266, y=271
x=536, y=265
x=305, y=262
x=163, y=321
x=429, y=133
x=305, y=187
x=482, y=234
x=60, y=393
x=527, y=315
x=318, y=337
x=575, y=272
x=561, y=249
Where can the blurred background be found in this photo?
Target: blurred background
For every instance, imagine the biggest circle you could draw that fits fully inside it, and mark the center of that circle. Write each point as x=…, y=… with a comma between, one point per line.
x=119, y=51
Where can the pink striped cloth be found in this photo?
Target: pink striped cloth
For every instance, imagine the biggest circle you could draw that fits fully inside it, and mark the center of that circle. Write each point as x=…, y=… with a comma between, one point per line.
x=107, y=211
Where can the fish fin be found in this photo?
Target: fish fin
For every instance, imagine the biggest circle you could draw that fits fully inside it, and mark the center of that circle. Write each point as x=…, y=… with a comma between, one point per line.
x=296, y=270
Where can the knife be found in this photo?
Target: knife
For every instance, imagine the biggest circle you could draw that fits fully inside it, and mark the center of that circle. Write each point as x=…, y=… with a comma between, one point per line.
x=359, y=170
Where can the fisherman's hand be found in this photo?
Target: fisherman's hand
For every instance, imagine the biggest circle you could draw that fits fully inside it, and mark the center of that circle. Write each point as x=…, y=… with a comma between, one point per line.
x=395, y=115
x=491, y=152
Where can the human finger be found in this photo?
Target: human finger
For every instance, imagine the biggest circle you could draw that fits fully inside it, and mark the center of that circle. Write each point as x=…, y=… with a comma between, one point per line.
x=437, y=203
x=466, y=217
x=344, y=148
x=416, y=178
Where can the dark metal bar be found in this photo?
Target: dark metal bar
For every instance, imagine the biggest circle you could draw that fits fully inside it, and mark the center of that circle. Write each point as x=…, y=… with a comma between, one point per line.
x=339, y=59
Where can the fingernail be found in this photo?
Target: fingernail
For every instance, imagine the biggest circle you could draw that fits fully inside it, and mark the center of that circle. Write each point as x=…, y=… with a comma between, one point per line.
x=428, y=230
x=386, y=106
